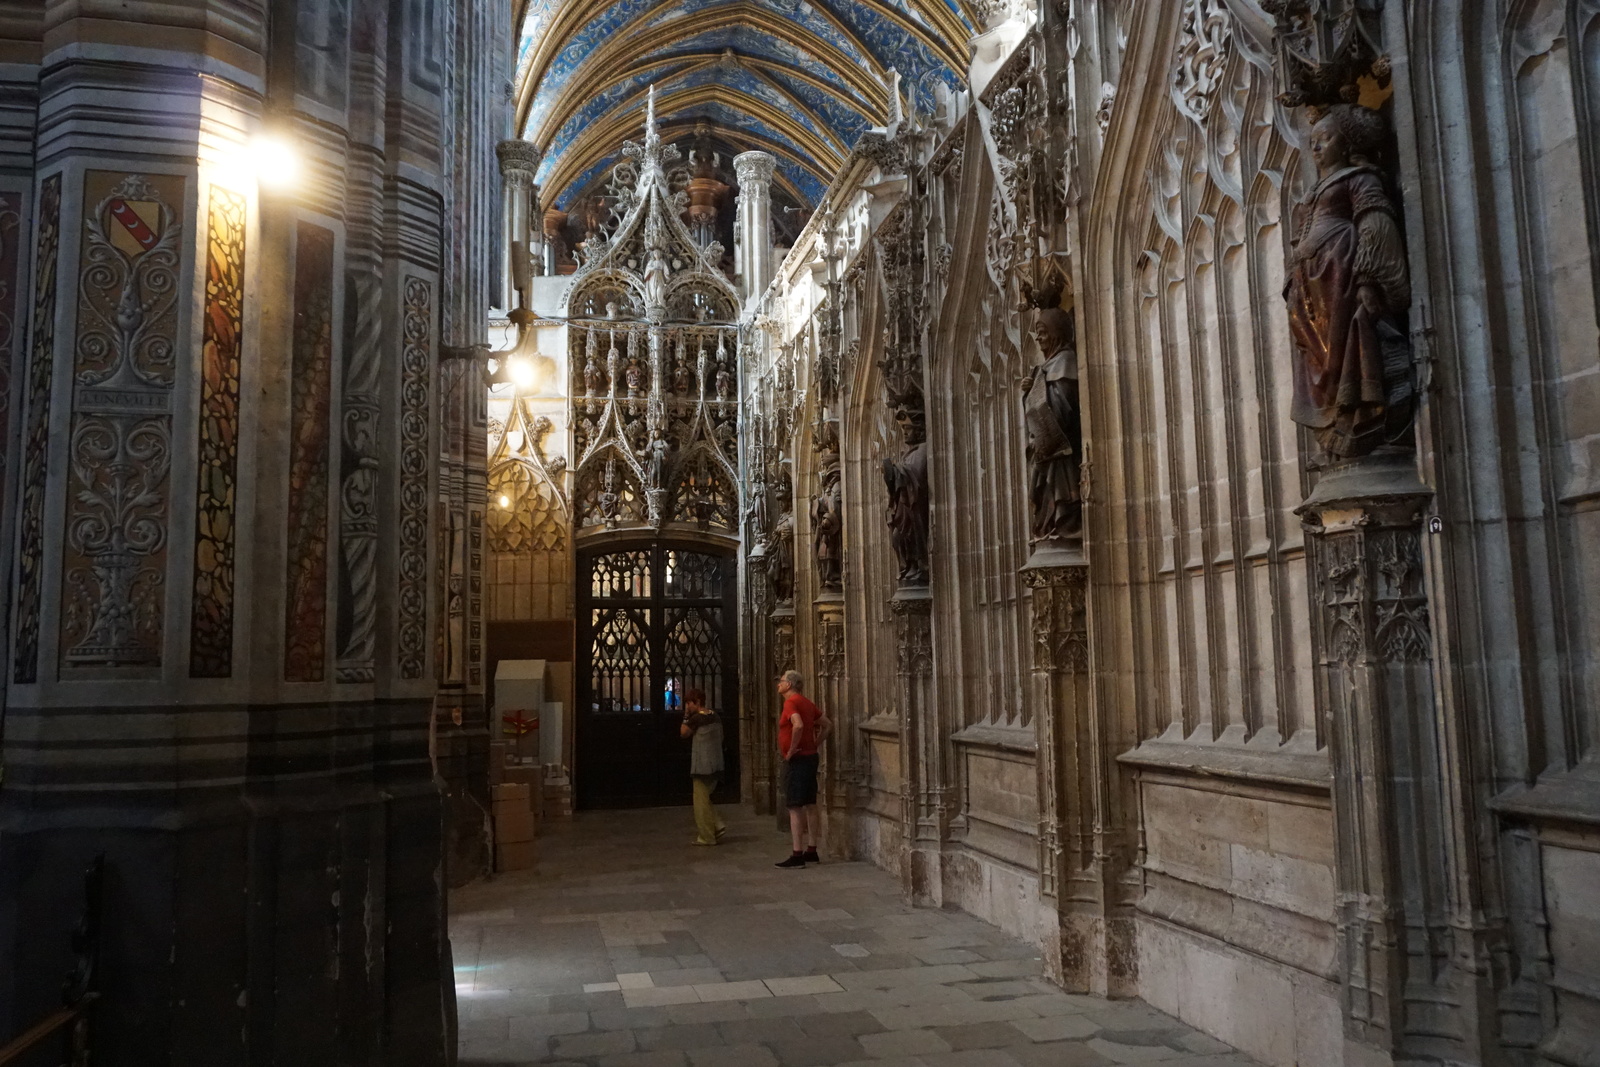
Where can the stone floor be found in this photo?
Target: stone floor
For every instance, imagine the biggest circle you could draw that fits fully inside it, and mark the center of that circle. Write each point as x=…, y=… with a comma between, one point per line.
x=628, y=946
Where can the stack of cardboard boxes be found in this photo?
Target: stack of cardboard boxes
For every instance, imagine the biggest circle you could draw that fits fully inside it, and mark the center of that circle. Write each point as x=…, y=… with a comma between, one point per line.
x=514, y=825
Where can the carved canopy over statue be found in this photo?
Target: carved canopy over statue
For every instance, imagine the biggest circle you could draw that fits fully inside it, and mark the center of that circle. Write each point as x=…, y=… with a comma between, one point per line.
x=1055, y=436
x=1348, y=293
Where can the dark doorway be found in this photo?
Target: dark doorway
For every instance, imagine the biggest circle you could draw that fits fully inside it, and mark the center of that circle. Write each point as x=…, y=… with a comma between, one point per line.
x=655, y=619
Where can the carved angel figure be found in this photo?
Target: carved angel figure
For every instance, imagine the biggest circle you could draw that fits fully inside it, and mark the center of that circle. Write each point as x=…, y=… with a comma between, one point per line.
x=1051, y=413
x=1348, y=293
x=907, y=482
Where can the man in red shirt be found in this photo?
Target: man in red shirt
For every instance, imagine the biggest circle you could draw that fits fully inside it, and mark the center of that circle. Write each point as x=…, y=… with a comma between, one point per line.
x=801, y=728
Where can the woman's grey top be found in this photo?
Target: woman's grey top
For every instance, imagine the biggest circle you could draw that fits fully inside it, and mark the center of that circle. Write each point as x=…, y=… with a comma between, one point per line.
x=705, y=755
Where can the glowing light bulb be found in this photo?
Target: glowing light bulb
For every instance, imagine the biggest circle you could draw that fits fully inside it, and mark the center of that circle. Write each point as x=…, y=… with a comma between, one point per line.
x=522, y=374
x=505, y=501
x=273, y=160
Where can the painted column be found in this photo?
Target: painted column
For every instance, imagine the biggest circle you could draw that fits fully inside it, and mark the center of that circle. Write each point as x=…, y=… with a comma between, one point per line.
x=753, y=236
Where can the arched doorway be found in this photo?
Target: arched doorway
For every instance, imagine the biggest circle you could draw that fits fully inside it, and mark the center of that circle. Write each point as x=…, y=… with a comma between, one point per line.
x=656, y=618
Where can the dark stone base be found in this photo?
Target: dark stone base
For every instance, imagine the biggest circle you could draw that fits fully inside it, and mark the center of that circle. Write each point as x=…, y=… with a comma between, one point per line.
x=278, y=901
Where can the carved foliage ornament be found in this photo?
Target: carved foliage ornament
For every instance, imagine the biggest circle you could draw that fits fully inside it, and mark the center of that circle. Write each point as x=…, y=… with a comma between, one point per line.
x=913, y=636
x=416, y=358
x=1060, y=629
x=1202, y=56
x=1373, y=597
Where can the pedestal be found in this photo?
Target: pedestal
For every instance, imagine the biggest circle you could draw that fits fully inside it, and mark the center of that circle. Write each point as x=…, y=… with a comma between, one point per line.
x=1393, y=812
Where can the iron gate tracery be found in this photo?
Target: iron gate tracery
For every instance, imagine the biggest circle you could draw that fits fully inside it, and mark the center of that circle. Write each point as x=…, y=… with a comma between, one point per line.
x=655, y=620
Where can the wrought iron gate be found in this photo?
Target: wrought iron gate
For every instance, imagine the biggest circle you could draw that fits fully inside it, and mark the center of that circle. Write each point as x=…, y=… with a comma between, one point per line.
x=655, y=619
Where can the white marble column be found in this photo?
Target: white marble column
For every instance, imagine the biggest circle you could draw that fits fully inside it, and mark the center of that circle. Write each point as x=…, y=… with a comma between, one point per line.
x=523, y=241
x=753, y=249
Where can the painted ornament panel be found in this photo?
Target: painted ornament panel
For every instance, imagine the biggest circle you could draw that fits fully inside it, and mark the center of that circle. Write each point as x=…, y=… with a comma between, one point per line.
x=415, y=361
x=120, y=445
x=305, y=634
x=211, y=625
x=36, y=433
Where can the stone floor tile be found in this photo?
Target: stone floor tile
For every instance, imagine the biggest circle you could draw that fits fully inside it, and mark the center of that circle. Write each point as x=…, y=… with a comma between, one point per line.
x=602, y=903
x=1203, y=1044
x=816, y=1051
x=717, y=1012
x=752, y=990
x=760, y=1031
x=903, y=1043
x=535, y=1027
x=595, y=1043
x=733, y=1056
x=656, y=997
x=1061, y=1054
x=679, y=1036
x=949, y=955
x=810, y=984
x=982, y=1035
x=1057, y=1028
x=853, y=1024
x=658, y=1058
x=585, y=1001
x=628, y=1018
x=687, y=976
x=1014, y=968
x=1117, y=1052
x=784, y=1007
x=975, y=1057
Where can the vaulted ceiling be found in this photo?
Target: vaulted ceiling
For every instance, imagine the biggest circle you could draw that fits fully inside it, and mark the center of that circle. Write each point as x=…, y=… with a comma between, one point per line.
x=801, y=79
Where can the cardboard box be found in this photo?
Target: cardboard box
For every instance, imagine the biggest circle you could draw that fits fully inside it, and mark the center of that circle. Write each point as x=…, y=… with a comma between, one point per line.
x=513, y=826
x=511, y=791
x=517, y=856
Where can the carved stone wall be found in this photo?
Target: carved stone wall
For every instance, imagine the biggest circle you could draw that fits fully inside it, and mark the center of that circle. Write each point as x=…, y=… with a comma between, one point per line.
x=1263, y=726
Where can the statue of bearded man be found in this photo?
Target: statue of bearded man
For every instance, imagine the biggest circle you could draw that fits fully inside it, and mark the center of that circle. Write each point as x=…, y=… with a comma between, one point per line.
x=1051, y=413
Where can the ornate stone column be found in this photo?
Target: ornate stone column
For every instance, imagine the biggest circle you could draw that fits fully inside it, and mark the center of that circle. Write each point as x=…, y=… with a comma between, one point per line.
x=924, y=811
x=1393, y=810
x=1071, y=869
x=522, y=241
x=753, y=234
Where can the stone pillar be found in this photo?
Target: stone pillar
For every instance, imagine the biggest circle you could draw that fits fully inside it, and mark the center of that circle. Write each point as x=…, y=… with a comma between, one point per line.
x=218, y=676
x=753, y=237
x=839, y=756
x=781, y=623
x=523, y=241
x=1395, y=817
x=924, y=810
x=1079, y=952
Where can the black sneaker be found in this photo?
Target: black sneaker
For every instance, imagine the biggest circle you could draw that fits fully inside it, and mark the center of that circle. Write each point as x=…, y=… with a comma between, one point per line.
x=810, y=856
x=796, y=859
